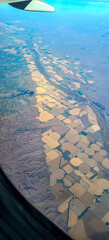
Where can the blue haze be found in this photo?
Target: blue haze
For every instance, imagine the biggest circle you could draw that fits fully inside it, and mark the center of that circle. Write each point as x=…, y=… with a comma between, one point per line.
x=79, y=29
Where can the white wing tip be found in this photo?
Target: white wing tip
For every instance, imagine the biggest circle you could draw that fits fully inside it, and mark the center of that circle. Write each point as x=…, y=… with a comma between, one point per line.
x=39, y=6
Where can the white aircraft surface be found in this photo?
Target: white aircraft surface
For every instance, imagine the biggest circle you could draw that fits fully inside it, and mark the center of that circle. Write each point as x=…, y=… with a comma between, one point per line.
x=30, y=5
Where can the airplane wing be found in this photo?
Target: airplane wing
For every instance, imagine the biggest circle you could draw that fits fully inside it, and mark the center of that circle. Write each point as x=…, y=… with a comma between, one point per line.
x=31, y=5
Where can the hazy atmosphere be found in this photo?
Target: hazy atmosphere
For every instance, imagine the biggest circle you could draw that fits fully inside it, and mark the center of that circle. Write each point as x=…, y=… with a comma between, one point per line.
x=54, y=112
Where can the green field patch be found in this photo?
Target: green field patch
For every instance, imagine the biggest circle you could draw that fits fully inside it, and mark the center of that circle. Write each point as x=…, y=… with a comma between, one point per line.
x=66, y=114
x=66, y=155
